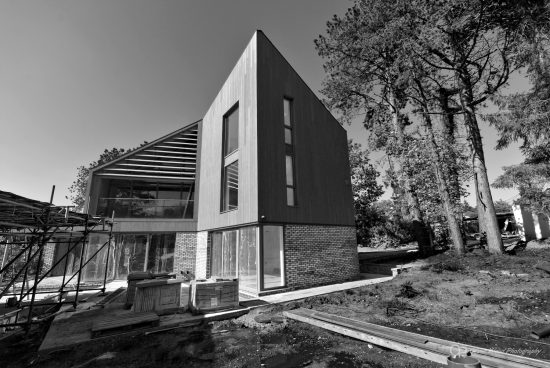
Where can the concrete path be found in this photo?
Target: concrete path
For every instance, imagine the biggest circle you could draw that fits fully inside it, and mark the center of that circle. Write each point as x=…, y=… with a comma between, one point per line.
x=320, y=290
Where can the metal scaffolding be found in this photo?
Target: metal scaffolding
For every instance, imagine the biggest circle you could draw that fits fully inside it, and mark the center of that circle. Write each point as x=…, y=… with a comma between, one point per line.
x=37, y=238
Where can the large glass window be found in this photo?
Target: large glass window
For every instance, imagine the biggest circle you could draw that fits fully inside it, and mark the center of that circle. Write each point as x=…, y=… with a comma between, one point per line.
x=160, y=257
x=143, y=252
x=134, y=199
x=231, y=131
x=273, y=257
x=224, y=255
x=235, y=253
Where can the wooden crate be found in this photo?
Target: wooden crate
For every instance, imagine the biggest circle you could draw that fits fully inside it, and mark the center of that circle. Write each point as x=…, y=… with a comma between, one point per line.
x=210, y=296
x=159, y=295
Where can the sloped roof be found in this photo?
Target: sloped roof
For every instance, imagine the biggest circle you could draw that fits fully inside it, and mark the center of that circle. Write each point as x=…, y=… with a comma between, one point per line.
x=173, y=156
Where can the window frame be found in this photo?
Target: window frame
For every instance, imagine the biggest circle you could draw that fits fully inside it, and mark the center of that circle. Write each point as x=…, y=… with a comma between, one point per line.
x=228, y=159
x=289, y=150
x=230, y=112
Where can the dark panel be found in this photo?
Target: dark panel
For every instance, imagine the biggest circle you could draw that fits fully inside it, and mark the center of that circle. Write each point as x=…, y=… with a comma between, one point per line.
x=320, y=145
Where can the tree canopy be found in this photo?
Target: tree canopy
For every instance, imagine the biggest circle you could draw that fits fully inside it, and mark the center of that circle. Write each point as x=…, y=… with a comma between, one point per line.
x=417, y=73
x=77, y=189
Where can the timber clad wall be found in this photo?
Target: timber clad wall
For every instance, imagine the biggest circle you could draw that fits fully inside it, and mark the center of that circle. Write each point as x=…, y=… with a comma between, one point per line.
x=319, y=255
x=185, y=252
x=322, y=171
x=240, y=87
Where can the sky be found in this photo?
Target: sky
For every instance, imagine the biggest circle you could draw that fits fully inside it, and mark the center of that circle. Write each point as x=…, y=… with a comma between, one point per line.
x=80, y=76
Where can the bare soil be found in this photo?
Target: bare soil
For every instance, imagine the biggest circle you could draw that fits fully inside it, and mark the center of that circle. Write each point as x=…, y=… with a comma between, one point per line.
x=443, y=296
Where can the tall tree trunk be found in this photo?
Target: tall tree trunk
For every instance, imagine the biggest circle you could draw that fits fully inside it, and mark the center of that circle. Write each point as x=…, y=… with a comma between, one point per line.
x=448, y=127
x=442, y=186
x=421, y=230
x=402, y=211
x=486, y=209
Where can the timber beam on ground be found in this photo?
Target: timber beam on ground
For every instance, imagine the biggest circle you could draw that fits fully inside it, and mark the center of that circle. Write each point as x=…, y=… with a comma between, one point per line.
x=426, y=347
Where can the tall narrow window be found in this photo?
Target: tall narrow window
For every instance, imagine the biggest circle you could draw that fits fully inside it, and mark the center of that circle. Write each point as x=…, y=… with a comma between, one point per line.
x=230, y=169
x=289, y=159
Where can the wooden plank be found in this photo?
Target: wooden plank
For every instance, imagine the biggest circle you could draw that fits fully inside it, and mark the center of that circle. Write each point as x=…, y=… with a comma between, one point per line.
x=406, y=336
x=357, y=329
x=385, y=342
x=422, y=341
x=124, y=322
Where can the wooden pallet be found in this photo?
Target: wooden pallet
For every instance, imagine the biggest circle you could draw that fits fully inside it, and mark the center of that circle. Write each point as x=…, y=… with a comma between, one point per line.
x=426, y=347
x=124, y=323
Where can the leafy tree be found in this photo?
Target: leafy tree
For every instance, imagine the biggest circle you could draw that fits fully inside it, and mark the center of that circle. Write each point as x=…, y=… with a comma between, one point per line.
x=78, y=187
x=365, y=189
x=532, y=182
x=525, y=117
x=467, y=207
x=502, y=206
x=462, y=39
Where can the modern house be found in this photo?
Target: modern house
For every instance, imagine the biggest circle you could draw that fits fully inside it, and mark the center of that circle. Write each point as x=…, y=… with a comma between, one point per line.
x=258, y=189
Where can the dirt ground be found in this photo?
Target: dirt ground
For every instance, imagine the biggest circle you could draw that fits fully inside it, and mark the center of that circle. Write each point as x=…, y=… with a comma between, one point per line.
x=488, y=301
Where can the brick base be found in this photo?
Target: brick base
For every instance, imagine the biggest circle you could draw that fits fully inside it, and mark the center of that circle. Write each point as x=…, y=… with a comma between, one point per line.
x=47, y=257
x=318, y=255
x=202, y=264
x=185, y=252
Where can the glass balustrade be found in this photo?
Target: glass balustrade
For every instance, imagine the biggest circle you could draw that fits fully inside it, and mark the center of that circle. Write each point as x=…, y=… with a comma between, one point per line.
x=145, y=208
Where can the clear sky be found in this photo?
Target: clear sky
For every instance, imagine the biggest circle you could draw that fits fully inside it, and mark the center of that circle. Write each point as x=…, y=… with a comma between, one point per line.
x=79, y=76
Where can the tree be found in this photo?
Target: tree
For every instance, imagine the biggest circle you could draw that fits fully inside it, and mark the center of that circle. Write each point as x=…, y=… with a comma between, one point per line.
x=502, y=206
x=365, y=189
x=364, y=76
x=533, y=183
x=476, y=42
x=78, y=187
x=525, y=117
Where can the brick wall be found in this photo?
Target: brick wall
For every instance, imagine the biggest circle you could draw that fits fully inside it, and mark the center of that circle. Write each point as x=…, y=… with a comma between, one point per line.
x=319, y=255
x=202, y=260
x=185, y=252
x=47, y=256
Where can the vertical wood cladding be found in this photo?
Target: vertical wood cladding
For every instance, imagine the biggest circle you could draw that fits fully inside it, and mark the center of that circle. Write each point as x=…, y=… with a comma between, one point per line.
x=239, y=87
x=323, y=187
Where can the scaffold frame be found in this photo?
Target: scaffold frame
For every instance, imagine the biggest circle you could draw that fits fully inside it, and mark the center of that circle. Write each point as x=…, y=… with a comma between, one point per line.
x=29, y=226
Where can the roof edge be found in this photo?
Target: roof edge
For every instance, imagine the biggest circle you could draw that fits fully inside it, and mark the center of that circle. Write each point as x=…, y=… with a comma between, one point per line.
x=180, y=130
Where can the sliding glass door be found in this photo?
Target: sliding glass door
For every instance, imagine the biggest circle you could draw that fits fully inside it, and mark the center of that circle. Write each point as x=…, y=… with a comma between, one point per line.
x=236, y=254
x=272, y=257
x=248, y=270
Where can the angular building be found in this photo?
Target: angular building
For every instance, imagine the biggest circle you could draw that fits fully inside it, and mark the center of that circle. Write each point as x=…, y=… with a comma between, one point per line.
x=259, y=189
